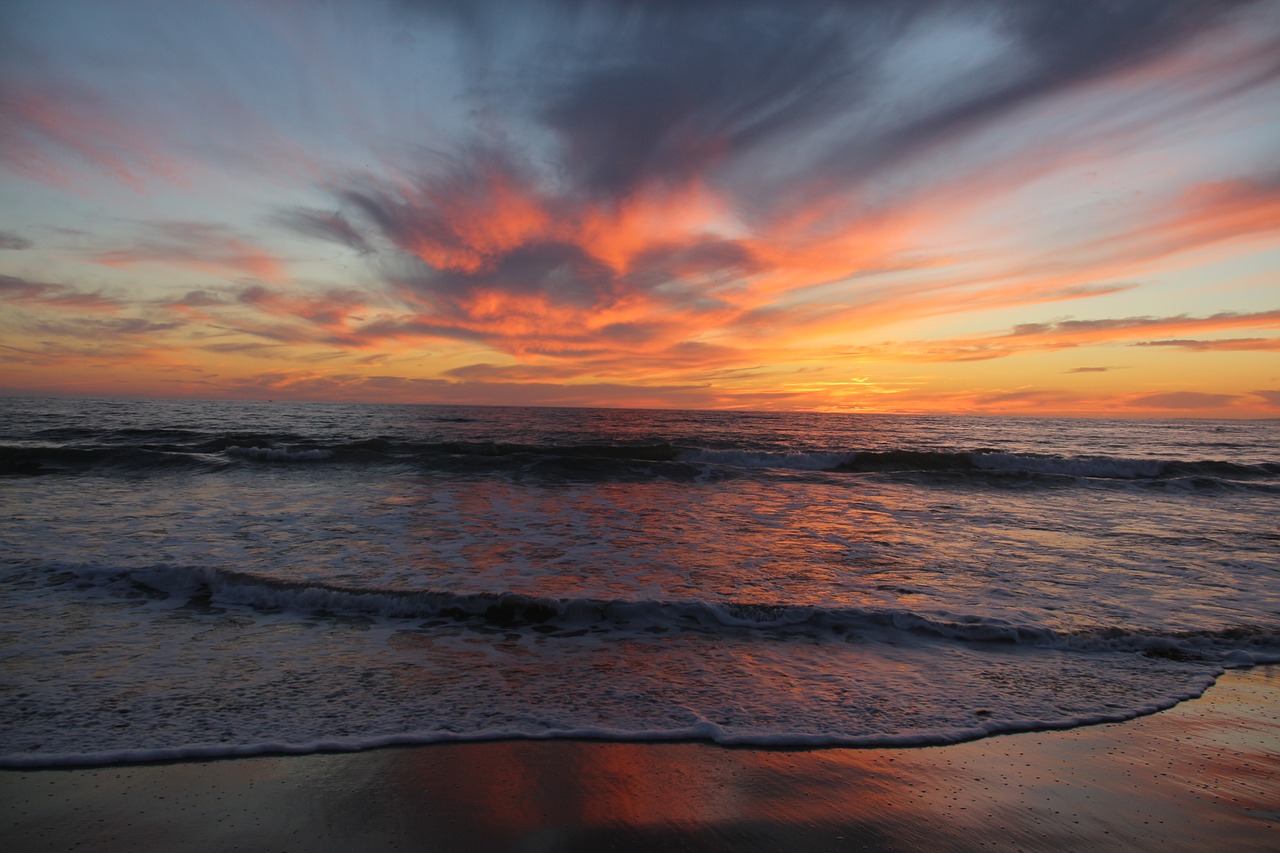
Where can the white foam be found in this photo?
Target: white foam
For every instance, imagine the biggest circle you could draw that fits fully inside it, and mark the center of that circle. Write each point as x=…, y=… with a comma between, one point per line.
x=699, y=728
x=275, y=454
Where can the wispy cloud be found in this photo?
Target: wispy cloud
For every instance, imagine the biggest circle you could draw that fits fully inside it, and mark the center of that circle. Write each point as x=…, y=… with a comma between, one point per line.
x=693, y=200
x=1067, y=334
x=1220, y=345
x=1184, y=400
x=322, y=225
x=63, y=297
x=197, y=245
x=13, y=241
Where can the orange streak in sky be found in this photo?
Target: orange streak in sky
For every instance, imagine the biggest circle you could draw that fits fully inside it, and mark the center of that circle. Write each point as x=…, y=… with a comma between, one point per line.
x=480, y=227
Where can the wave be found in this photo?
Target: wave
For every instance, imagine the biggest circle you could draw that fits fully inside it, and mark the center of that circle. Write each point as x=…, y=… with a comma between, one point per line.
x=1098, y=467
x=567, y=617
x=986, y=467
x=279, y=454
x=32, y=461
x=144, y=451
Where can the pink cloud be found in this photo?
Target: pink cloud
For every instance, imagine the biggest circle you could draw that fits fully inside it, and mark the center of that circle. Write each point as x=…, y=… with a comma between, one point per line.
x=53, y=134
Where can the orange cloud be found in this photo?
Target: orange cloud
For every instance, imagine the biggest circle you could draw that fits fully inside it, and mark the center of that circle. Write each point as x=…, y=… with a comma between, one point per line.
x=1065, y=334
x=331, y=310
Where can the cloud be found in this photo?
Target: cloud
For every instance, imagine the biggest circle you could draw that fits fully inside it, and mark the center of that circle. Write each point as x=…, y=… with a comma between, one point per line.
x=331, y=309
x=1203, y=215
x=82, y=352
x=512, y=373
x=659, y=93
x=13, y=241
x=663, y=173
x=197, y=245
x=55, y=131
x=662, y=98
x=52, y=295
x=486, y=253
x=1120, y=328
x=250, y=347
x=1220, y=345
x=197, y=299
x=326, y=225
x=663, y=193
x=1272, y=397
x=1184, y=400
x=307, y=385
x=1068, y=334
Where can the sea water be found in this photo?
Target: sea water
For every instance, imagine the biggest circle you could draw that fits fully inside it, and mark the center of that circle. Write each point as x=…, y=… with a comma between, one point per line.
x=183, y=579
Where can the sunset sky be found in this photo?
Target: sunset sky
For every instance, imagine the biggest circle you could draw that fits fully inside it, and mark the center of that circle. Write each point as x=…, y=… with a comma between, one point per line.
x=1003, y=207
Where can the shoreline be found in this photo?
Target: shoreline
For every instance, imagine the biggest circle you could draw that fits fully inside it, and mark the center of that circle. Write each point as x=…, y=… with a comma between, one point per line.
x=1204, y=774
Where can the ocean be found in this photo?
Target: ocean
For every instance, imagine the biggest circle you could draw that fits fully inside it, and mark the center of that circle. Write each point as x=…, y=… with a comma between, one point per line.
x=195, y=579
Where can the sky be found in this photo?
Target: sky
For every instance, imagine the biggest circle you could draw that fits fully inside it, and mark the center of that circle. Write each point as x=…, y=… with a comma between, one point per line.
x=991, y=206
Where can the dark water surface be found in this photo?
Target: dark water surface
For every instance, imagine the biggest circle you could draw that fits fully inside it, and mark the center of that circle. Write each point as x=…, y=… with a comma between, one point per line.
x=203, y=578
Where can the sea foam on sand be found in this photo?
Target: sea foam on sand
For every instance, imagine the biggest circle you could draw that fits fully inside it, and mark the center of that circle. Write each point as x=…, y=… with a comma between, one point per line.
x=1202, y=776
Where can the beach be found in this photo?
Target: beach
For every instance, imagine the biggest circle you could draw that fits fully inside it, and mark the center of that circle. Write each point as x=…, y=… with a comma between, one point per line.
x=1204, y=775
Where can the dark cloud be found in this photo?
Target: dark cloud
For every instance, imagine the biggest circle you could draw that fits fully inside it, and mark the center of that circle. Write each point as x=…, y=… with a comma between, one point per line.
x=1222, y=345
x=1223, y=319
x=13, y=241
x=133, y=326
x=17, y=289
x=642, y=93
x=326, y=225
x=198, y=299
x=251, y=347
x=1272, y=397
x=561, y=271
x=1058, y=45
x=691, y=264
x=664, y=95
x=1185, y=400
x=1089, y=369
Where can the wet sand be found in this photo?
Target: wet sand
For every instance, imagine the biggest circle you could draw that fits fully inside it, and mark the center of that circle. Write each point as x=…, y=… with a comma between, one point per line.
x=1202, y=776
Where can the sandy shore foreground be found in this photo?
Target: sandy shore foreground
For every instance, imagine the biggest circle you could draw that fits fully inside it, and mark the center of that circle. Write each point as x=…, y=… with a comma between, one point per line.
x=1202, y=776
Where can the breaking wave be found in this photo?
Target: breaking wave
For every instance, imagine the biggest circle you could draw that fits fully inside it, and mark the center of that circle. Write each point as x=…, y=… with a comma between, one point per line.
x=1239, y=645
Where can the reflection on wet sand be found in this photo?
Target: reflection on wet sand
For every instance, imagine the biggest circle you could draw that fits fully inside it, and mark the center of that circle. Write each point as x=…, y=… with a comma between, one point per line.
x=1201, y=776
